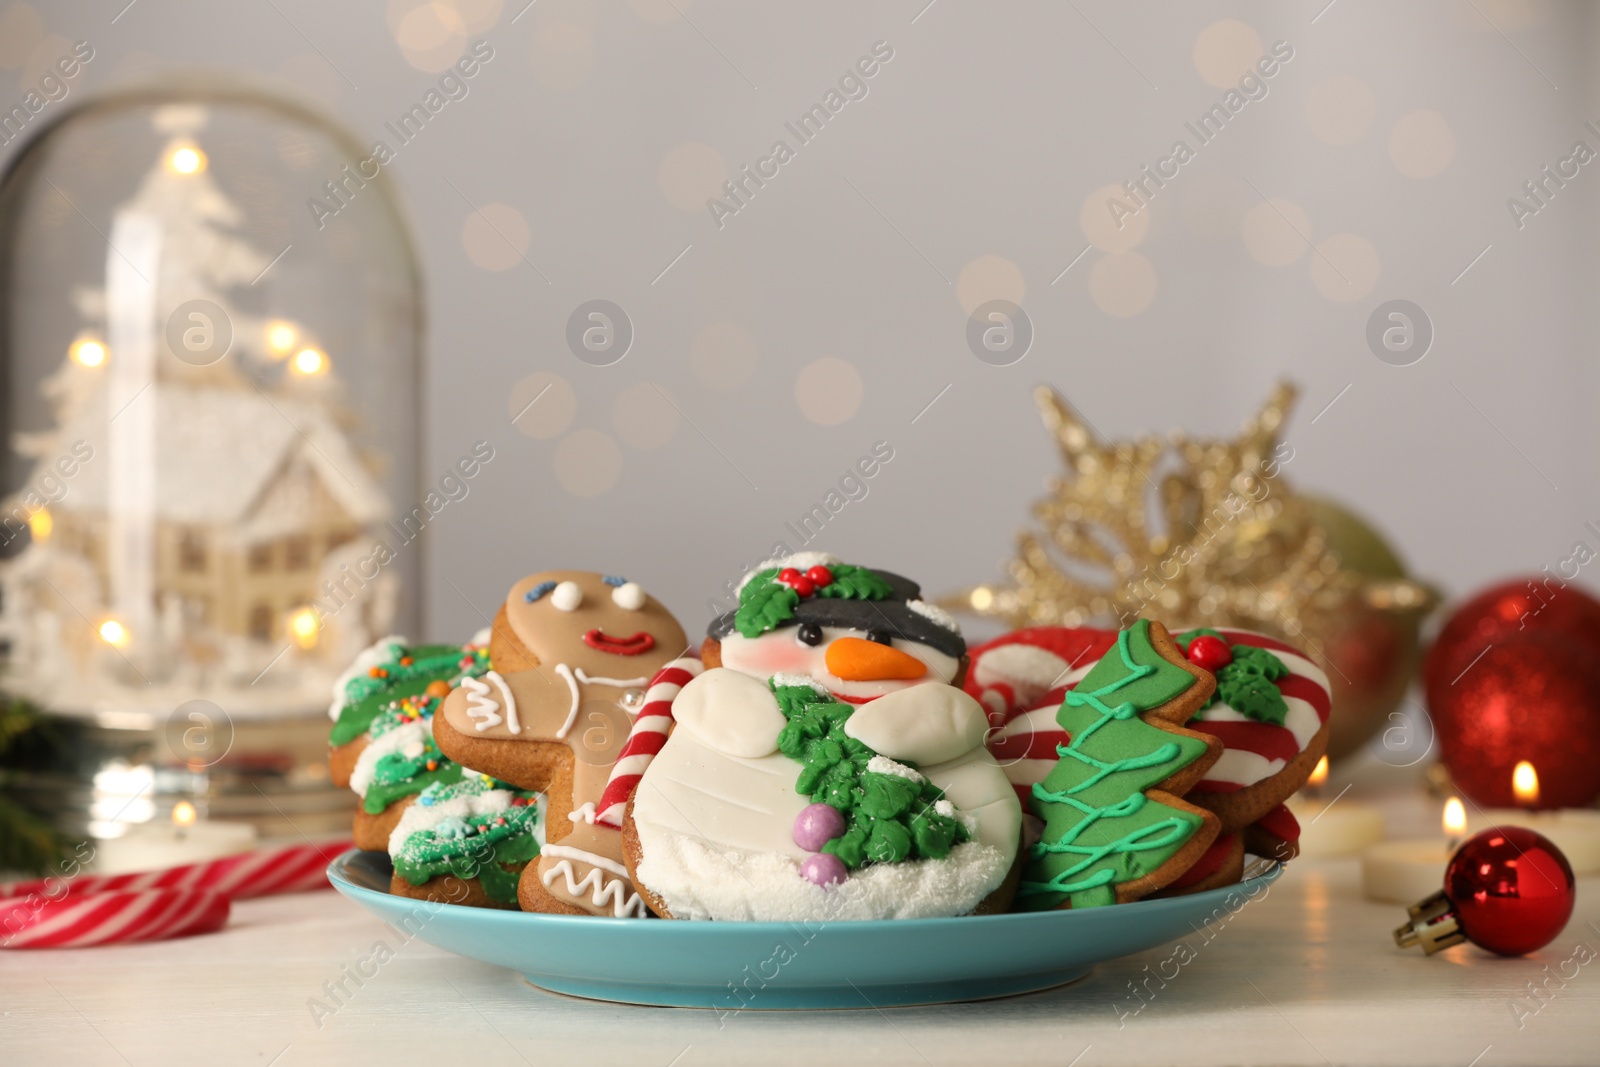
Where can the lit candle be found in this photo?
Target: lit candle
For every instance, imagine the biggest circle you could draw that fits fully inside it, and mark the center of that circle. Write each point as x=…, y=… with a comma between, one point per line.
x=1404, y=872
x=1340, y=827
x=1576, y=832
x=186, y=839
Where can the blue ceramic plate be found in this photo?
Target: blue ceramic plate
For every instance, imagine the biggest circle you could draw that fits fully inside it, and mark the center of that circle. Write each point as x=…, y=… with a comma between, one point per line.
x=734, y=966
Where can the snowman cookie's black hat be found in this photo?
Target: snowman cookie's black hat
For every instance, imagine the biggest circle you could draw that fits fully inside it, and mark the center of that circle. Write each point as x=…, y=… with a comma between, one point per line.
x=857, y=598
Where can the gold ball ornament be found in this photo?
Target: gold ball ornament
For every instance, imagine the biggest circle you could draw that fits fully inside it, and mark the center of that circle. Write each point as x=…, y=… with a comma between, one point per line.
x=1209, y=533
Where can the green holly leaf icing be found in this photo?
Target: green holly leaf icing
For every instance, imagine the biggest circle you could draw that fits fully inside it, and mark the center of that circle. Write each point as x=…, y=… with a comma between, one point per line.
x=1246, y=684
x=856, y=583
x=764, y=604
x=888, y=818
x=887, y=796
x=1100, y=827
x=888, y=841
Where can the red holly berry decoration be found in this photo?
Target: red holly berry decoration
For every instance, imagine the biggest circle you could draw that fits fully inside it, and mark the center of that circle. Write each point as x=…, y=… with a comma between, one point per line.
x=801, y=583
x=820, y=575
x=1209, y=652
x=1507, y=889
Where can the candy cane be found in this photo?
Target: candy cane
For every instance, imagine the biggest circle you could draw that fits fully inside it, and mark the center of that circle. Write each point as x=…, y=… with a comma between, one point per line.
x=291, y=869
x=100, y=909
x=116, y=918
x=649, y=733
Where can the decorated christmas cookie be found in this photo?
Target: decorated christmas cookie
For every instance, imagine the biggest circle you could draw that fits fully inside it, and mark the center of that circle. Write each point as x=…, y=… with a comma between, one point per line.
x=382, y=741
x=1020, y=679
x=1115, y=825
x=1276, y=835
x=1270, y=710
x=573, y=652
x=1221, y=864
x=466, y=842
x=822, y=765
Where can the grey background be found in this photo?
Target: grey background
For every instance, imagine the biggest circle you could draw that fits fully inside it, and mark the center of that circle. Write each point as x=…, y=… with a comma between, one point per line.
x=982, y=137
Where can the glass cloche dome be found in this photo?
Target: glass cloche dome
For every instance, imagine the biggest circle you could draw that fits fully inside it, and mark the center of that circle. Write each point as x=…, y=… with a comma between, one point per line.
x=209, y=324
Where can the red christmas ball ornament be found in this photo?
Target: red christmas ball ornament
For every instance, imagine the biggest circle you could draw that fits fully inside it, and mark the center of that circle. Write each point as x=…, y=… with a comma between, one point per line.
x=820, y=575
x=1209, y=652
x=1531, y=696
x=788, y=576
x=1508, y=890
x=1538, y=604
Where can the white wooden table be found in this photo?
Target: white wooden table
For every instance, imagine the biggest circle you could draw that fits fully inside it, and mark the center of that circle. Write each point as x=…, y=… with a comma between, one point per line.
x=1306, y=975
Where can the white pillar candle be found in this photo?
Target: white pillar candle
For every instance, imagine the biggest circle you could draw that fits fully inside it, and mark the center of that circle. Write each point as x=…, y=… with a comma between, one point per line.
x=155, y=847
x=1576, y=832
x=1341, y=828
x=1404, y=872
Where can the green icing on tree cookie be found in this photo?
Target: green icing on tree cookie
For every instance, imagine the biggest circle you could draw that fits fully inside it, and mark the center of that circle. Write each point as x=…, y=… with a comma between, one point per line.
x=1100, y=827
x=1246, y=684
x=888, y=817
x=367, y=696
x=403, y=777
x=493, y=848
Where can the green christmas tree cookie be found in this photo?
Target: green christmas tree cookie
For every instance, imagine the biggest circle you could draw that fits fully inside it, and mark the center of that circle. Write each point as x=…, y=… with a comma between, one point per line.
x=1113, y=820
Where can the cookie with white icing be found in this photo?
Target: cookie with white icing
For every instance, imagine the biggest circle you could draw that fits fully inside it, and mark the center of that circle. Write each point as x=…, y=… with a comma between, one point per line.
x=466, y=842
x=822, y=766
x=1270, y=710
x=381, y=745
x=573, y=652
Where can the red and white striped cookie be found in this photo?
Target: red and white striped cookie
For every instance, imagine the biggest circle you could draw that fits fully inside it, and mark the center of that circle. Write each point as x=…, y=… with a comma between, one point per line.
x=1263, y=764
x=1020, y=679
x=645, y=739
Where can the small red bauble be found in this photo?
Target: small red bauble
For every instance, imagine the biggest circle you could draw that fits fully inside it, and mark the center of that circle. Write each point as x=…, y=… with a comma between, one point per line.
x=1512, y=889
x=803, y=585
x=820, y=575
x=1209, y=652
x=1531, y=696
x=788, y=575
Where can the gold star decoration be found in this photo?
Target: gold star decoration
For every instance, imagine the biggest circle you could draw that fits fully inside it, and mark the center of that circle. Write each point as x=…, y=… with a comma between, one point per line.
x=1191, y=532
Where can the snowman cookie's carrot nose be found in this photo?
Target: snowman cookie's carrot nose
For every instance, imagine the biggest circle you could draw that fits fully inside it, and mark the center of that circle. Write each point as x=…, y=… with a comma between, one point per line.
x=857, y=660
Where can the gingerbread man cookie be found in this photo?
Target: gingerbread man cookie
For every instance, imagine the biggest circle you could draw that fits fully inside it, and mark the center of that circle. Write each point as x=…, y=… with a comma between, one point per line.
x=822, y=764
x=573, y=652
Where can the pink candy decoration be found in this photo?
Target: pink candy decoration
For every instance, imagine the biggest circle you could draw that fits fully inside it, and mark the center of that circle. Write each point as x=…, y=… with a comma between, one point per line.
x=816, y=825
x=823, y=869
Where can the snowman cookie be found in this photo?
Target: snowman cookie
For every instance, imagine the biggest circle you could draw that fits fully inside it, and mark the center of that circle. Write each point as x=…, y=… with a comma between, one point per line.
x=466, y=842
x=573, y=652
x=821, y=765
x=382, y=744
